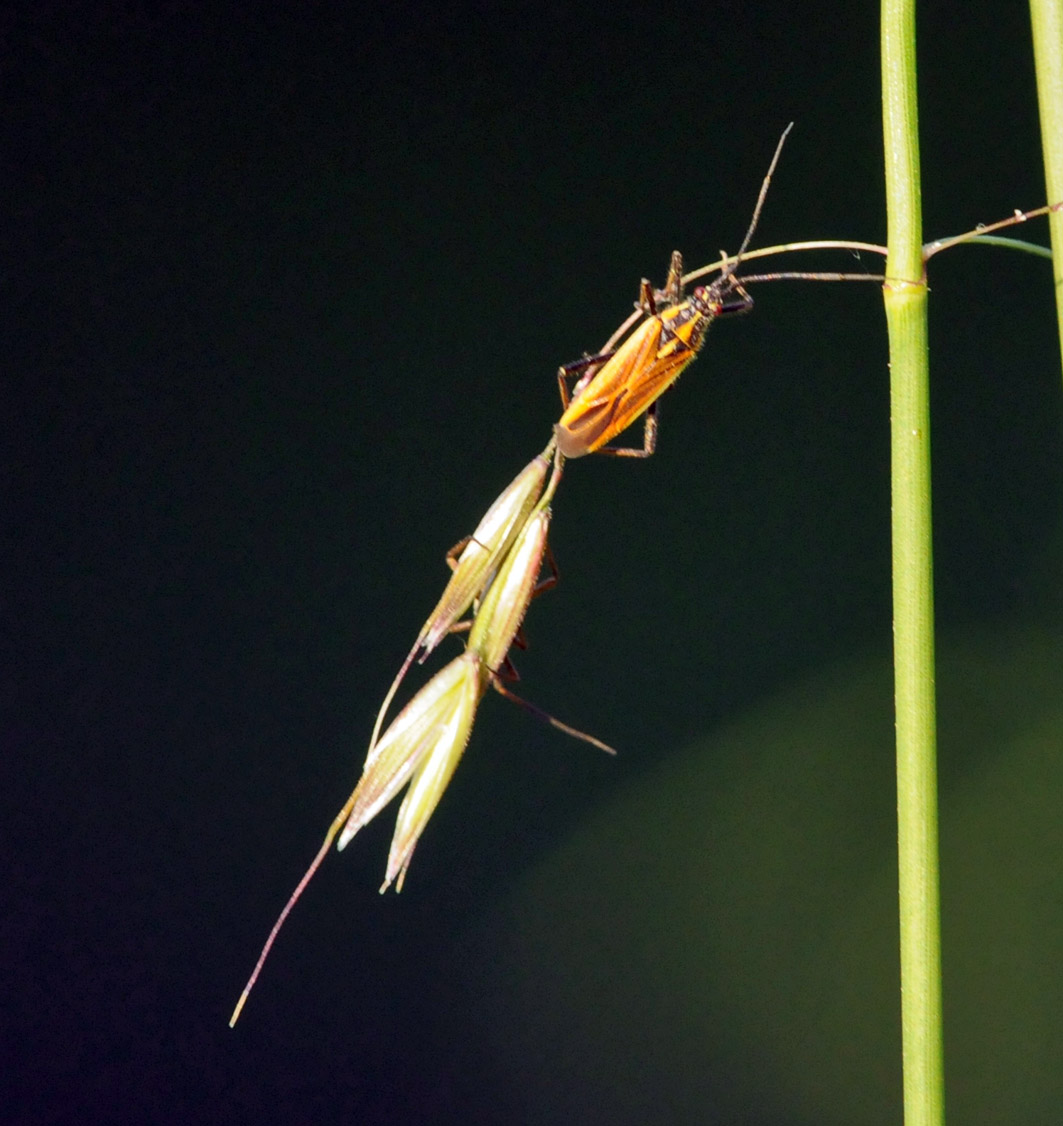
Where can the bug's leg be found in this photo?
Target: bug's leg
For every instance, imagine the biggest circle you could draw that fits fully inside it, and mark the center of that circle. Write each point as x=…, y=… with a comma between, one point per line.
x=552, y=579
x=456, y=550
x=506, y=671
x=562, y=386
x=649, y=439
x=453, y=556
x=546, y=717
x=647, y=301
x=671, y=294
x=735, y=306
x=725, y=286
x=649, y=432
x=581, y=365
x=673, y=286
x=540, y=587
x=586, y=368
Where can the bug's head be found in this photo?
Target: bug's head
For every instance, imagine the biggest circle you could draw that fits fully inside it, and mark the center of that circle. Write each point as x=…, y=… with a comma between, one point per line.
x=724, y=297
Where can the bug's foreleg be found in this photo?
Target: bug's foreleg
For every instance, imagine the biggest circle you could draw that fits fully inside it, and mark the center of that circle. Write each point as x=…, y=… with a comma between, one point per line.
x=586, y=368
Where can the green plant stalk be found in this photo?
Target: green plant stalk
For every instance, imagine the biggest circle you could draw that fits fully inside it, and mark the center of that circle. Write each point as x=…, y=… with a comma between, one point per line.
x=1046, y=18
x=905, y=295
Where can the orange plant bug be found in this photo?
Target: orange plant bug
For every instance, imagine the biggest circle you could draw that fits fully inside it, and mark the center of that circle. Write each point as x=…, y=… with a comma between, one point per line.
x=616, y=387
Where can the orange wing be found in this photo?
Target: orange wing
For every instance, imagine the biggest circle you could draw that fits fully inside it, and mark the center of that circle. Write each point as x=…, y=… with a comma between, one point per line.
x=631, y=380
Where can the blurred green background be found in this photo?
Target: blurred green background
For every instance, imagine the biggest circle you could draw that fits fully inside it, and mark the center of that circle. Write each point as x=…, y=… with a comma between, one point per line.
x=285, y=291
x=719, y=942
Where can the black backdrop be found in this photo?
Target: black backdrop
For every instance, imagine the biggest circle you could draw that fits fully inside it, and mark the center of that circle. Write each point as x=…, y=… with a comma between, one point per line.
x=283, y=295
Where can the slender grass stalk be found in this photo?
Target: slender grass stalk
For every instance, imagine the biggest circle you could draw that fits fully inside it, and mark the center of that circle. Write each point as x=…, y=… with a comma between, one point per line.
x=1046, y=17
x=905, y=295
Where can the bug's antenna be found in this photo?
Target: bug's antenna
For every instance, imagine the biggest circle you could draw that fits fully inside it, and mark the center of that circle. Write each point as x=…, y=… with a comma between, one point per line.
x=729, y=272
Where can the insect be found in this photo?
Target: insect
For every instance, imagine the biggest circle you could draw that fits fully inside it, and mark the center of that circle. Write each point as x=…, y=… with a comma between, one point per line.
x=496, y=570
x=616, y=387
x=628, y=382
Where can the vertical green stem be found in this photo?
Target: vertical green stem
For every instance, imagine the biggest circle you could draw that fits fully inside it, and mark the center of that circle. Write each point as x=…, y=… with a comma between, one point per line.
x=1047, y=21
x=913, y=595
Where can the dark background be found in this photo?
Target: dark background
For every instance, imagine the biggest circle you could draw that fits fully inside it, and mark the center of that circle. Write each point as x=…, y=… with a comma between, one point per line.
x=283, y=294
